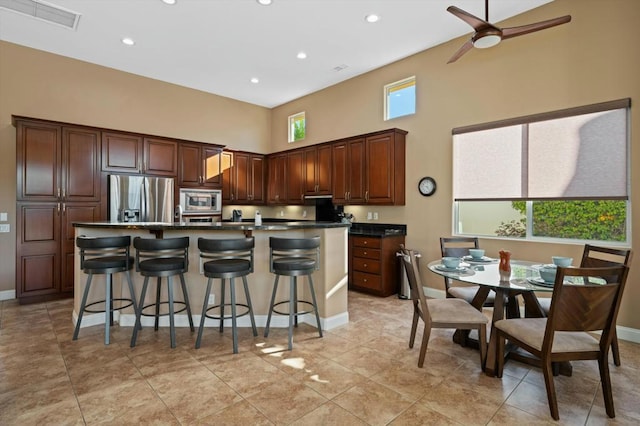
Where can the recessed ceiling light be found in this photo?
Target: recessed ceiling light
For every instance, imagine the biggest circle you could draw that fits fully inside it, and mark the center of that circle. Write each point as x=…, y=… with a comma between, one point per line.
x=372, y=18
x=301, y=55
x=264, y=2
x=128, y=41
x=170, y=1
x=254, y=80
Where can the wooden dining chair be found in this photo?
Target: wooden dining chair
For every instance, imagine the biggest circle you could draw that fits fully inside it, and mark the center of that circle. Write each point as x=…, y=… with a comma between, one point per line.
x=440, y=313
x=576, y=310
x=593, y=257
x=459, y=247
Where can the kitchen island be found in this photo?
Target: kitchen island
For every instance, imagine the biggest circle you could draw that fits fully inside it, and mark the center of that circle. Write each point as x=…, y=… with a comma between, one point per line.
x=330, y=281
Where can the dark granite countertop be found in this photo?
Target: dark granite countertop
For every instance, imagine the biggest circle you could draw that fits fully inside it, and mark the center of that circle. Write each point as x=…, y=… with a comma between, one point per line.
x=377, y=229
x=220, y=226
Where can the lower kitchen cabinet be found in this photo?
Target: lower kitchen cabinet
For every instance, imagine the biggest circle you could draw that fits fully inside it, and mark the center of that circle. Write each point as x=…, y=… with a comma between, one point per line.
x=373, y=264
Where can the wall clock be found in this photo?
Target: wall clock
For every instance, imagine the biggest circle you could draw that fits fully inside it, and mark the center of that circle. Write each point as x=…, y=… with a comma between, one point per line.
x=427, y=186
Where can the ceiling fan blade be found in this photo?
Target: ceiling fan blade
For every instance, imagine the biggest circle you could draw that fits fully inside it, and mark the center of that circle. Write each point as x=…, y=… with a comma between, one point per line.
x=464, y=49
x=474, y=21
x=526, y=29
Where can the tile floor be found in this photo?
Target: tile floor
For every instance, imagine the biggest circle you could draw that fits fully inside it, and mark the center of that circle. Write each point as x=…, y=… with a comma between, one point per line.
x=360, y=374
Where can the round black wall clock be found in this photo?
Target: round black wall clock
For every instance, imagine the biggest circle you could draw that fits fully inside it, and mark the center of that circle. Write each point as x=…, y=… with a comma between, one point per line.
x=427, y=186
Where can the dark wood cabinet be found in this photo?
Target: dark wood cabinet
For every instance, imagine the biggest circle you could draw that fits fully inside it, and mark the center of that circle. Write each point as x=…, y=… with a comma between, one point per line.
x=226, y=163
x=348, y=179
x=130, y=153
x=385, y=168
x=294, y=177
x=277, y=189
x=317, y=169
x=373, y=264
x=200, y=165
x=245, y=182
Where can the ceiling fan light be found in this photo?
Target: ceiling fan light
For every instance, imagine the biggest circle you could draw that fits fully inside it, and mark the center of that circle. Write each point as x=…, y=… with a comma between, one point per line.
x=486, y=41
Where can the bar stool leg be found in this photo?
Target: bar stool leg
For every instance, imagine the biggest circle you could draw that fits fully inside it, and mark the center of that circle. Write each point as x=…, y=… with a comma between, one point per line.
x=133, y=295
x=82, y=305
x=315, y=304
x=273, y=300
x=107, y=309
x=234, y=327
x=295, y=301
x=172, y=329
x=186, y=301
x=246, y=293
x=222, y=298
x=158, y=288
x=204, y=313
x=138, y=324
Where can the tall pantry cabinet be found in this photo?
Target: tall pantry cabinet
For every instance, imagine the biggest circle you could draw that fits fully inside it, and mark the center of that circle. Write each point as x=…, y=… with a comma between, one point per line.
x=58, y=183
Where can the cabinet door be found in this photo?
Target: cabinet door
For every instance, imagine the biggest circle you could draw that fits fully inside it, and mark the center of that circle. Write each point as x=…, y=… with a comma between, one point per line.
x=277, y=169
x=189, y=170
x=241, y=176
x=73, y=212
x=356, y=171
x=38, y=256
x=38, y=161
x=160, y=157
x=257, y=179
x=310, y=160
x=81, y=164
x=380, y=170
x=211, y=166
x=295, y=177
x=339, y=176
x=121, y=152
x=324, y=164
x=227, y=176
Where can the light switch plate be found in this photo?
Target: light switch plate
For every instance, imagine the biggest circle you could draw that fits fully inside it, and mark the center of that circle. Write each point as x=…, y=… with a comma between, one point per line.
x=5, y=227
x=212, y=299
x=3, y=217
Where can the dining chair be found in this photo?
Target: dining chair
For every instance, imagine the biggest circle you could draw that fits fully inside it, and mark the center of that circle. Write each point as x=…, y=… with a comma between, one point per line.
x=576, y=310
x=593, y=257
x=440, y=313
x=459, y=247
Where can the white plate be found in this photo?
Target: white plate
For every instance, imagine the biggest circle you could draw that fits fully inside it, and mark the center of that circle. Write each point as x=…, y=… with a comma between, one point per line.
x=445, y=269
x=483, y=259
x=542, y=283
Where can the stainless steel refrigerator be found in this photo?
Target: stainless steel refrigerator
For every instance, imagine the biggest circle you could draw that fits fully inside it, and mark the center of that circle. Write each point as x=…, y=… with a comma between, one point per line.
x=140, y=199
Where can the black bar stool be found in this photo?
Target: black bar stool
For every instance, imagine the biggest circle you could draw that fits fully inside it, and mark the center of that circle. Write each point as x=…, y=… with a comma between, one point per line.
x=162, y=258
x=105, y=256
x=228, y=259
x=293, y=257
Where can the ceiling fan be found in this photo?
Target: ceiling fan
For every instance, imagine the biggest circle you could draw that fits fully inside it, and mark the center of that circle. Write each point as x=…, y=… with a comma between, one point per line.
x=488, y=35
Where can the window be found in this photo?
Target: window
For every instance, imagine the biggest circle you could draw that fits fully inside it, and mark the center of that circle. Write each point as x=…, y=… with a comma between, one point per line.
x=557, y=176
x=297, y=127
x=400, y=98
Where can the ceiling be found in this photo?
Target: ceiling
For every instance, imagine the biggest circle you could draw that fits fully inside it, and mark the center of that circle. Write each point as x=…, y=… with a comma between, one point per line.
x=218, y=46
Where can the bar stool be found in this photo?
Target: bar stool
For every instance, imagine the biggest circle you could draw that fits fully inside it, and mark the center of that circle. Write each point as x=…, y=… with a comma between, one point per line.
x=293, y=257
x=229, y=259
x=162, y=258
x=104, y=256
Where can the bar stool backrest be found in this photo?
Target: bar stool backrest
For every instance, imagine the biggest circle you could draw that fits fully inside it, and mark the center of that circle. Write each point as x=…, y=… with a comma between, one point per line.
x=291, y=248
x=150, y=248
x=236, y=248
x=100, y=247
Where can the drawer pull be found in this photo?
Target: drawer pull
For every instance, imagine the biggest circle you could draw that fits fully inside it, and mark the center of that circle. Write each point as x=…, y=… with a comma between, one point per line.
x=365, y=280
x=365, y=253
x=365, y=265
x=366, y=242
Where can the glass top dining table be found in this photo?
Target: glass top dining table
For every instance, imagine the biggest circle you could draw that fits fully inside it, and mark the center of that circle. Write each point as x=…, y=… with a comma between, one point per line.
x=524, y=281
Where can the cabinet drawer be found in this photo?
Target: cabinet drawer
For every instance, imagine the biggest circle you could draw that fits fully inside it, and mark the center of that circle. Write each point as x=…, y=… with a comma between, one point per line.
x=367, y=242
x=364, y=280
x=366, y=252
x=366, y=265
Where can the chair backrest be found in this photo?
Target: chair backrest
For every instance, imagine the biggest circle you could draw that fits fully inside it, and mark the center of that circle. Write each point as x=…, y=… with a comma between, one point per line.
x=457, y=246
x=153, y=248
x=410, y=262
x=236, y=248
x=594, y=256
x=92, y=247
x=294, y=248
x=586, y=307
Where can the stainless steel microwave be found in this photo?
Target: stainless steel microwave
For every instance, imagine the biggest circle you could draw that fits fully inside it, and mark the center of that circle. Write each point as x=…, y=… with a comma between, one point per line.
x=201, y=201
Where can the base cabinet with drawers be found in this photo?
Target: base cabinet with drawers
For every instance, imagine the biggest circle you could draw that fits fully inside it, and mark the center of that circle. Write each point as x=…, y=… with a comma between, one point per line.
x=373, y=264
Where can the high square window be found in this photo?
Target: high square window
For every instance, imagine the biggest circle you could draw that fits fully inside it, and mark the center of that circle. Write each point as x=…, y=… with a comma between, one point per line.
x=297, y=127
x=400, y=98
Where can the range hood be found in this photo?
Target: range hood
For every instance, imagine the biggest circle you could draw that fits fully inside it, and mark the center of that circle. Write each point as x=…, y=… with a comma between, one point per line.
x=316, y=197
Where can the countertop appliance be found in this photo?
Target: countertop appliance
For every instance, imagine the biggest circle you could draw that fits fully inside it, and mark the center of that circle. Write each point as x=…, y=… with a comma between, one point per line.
x=195, y=201
x=236, y=215
x=140, y=199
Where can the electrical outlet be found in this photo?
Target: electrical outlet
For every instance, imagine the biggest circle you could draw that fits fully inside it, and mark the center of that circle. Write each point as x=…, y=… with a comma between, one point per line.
x=3, y=217
x=5, y=227
x=281, y=213
x=212, y=299
x=369, y=216
x=375, y=215
x=304, y=213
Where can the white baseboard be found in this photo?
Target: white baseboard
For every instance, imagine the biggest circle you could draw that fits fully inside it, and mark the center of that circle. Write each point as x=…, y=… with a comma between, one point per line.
x=624, y=333
x=7, y=294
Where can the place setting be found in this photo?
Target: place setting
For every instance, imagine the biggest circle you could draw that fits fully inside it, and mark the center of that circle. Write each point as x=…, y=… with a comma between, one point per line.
x=477, y=257
x=453, y=265
x=547, y=272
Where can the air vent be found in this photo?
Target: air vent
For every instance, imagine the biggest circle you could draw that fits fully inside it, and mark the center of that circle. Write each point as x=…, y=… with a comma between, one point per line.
x=43, y=11
x=336, y=69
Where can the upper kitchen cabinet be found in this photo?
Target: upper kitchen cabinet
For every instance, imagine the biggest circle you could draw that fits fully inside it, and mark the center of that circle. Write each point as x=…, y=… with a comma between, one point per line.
x=57, y=163
x=294, y=177
x=385, y=168
x=348, y=171
x=247, y=178
x=129, y=153
x=200, y=165
x=317, y=170
x=277, y=185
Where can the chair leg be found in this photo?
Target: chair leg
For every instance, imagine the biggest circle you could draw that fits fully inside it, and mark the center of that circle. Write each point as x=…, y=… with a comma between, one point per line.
x=273, y=300
x=186, y=301
x=315, y=305
x=482, y=343
x=615, y=350
x=157, y=317
x=133, y=294
x=82, y=305
x=248, y=297
x=234, y=325
x=551, y=389
x=172, y=328
x=222, y=299
x=500, y=342
x=294, y=304
x=204, y=313
x=423, y=347
x=138, y=325
x=603, y=364
x=414, y=324
x=107, y=308
x=293, y=282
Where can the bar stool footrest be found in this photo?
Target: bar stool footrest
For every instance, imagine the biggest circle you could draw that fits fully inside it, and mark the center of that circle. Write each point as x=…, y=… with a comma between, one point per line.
x=177, y=302
x=295, y=313
x=226, y=317
x=93, y=311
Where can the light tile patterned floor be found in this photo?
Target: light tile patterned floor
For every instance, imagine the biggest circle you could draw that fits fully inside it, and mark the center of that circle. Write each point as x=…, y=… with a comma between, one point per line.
x=360, y=374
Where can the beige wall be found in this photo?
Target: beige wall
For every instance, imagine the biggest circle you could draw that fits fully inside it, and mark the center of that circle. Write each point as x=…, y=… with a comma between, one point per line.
x=593, y=59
